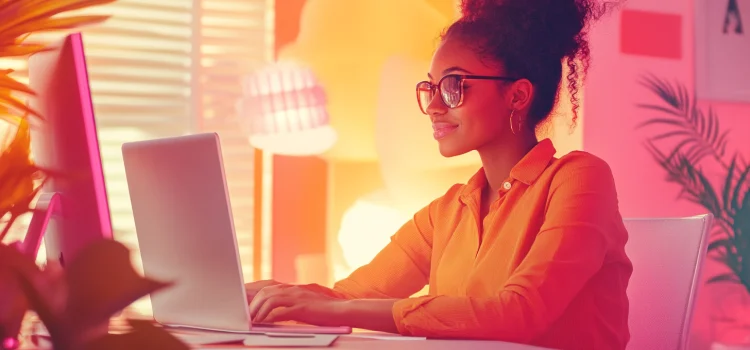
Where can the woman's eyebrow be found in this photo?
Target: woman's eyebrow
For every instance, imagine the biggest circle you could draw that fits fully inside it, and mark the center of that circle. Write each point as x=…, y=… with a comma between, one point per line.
x=455, y=69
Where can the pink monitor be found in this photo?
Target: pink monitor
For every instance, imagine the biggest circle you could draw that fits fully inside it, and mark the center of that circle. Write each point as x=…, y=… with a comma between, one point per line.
x=66, y=142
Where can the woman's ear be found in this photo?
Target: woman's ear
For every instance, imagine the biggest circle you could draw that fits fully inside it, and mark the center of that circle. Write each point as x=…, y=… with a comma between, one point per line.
x=521, y=94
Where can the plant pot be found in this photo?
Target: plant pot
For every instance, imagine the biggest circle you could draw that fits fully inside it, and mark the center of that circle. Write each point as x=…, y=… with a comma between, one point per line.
x=730, y=317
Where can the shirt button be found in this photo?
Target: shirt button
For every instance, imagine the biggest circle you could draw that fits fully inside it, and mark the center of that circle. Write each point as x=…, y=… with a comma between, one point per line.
x=506, y=185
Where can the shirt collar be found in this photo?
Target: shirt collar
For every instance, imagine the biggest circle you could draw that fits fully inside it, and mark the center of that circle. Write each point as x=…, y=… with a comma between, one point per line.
x=527, y=170
x=533, y=163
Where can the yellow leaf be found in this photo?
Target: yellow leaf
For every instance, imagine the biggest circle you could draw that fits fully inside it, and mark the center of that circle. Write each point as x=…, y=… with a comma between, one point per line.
x=18, y=19
x=7, y=115
x=12, y=171
x=13, y=12
x=18, y=150
x=24, y=11
x=10, y=41
x=56, y=24
x=7, y=82
x=9, y=101
x=17, y=192
x=7, y=86
x=16, y=169
x=21, y=49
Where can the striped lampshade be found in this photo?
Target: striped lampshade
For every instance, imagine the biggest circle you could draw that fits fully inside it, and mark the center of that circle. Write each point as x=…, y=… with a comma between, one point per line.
x=283, y=109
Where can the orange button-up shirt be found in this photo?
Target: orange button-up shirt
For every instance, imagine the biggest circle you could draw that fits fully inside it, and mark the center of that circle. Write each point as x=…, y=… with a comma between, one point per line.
x=547, y=266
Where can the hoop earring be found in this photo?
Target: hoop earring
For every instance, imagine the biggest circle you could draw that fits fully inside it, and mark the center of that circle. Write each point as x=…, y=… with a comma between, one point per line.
x=520, y=123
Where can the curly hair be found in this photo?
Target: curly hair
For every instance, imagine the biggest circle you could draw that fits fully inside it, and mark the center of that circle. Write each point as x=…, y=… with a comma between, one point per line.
x=531, y=38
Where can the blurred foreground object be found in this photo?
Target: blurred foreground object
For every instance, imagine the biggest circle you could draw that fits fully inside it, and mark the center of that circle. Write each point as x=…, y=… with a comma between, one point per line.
x=76, y=304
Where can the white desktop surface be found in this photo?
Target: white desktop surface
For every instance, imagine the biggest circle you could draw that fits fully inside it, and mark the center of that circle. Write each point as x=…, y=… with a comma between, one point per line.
x=368, y=344
x=391, y=342
x=358, y=340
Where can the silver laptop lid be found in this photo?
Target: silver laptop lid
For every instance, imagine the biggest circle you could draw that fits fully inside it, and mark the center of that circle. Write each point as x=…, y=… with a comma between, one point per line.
x=185, y=231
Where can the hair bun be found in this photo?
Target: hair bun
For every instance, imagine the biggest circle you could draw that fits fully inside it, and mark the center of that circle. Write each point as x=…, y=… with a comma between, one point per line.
x=475, y=9
x=564, y=21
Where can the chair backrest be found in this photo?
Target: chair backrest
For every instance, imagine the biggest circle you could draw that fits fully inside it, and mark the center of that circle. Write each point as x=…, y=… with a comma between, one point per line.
x=667, y=256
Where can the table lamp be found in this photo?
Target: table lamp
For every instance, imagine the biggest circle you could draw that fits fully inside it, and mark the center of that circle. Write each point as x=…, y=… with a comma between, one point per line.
x=283, y=111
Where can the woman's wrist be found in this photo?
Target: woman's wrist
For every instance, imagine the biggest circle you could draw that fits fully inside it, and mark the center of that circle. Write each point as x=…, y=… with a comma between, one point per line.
x=330, y=292
x=340, y=311
x=371, y=314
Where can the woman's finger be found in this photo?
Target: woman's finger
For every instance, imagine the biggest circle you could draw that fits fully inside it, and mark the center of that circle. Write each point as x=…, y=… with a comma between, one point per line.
x=271, y=304
x=256, y=302
x=281, y=314
x=252, y=289
x=264, y=294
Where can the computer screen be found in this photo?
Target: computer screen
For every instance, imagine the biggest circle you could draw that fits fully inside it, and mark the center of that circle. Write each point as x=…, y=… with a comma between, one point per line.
x=65, y=141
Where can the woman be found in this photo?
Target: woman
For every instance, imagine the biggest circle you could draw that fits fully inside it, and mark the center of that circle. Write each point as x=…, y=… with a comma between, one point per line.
x=531, y=249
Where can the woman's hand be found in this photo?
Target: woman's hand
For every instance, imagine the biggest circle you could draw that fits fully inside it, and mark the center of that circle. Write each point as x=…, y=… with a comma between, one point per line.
x=311, y=304
x=251, y=289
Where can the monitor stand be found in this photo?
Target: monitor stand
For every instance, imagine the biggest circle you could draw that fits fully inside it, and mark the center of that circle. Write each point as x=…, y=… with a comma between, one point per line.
x=47, y=207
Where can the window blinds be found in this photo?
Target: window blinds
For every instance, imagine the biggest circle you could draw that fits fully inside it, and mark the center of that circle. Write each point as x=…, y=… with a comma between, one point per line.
x=233, y=40
x=169, y=68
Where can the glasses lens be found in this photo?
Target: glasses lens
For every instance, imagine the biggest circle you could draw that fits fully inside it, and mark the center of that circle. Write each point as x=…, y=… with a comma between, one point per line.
x=424, y=95
x=450, y=88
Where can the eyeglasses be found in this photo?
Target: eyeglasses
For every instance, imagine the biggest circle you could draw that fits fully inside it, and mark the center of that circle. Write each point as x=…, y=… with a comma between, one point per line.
x=451, y=88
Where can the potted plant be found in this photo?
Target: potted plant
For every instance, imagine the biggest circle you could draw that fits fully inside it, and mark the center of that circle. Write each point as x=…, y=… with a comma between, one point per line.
x=696, y=158
x=75, y=305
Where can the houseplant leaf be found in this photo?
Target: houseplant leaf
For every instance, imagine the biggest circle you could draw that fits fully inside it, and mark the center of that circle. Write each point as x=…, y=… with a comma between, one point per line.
x=742, y=183
x=726, y=277
x=144, y=336
x=21, y=50
x=12, y=106
x=8, y=83
x=76, y=304
x=14, y=303
x=17, y=177
x=50, y=24
x=697, y=134
x=741, y=226
x=98, y=290
x=23, y=12
x=724, y=251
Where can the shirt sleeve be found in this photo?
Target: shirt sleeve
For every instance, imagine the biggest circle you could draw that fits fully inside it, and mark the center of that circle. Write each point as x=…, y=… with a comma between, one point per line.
x=398, y=271
x=569, y=249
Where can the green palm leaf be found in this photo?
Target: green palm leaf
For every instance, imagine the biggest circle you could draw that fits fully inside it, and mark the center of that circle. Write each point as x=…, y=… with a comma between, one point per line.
x=733, y=248
x=694, y=135
x=741, y=230
x=737, y=202
x=726, y=277
x=698, y=134
x=695, y=187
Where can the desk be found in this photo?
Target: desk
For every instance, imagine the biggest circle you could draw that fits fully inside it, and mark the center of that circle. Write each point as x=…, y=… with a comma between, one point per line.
x=345, y=342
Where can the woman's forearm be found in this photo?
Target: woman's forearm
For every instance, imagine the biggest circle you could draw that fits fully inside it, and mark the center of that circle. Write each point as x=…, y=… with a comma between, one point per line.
x=370, y=314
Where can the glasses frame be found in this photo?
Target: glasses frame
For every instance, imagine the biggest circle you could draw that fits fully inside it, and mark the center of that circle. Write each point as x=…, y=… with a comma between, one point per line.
x=462, y=77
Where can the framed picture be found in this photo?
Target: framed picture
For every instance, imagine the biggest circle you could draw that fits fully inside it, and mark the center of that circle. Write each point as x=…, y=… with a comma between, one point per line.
x=722, y=50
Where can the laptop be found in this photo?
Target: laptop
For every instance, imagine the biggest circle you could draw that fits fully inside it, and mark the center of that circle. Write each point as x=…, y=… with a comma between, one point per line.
x=186, y=235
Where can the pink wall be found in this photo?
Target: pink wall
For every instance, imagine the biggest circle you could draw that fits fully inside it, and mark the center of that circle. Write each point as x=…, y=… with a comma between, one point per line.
x=612, y=91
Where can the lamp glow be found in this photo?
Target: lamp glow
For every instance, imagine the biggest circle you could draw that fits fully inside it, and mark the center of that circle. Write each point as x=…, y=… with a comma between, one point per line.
x=366, y=228
x=283, y=109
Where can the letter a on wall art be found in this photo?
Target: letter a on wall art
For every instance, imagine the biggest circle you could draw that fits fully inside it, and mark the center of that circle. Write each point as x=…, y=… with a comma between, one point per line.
x=722, y=50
